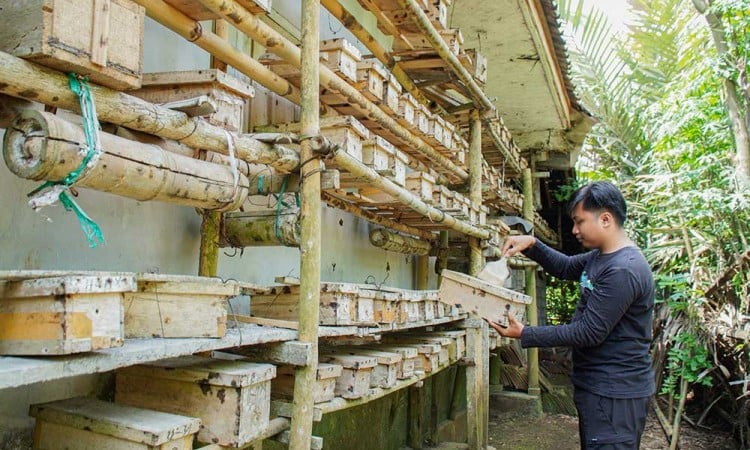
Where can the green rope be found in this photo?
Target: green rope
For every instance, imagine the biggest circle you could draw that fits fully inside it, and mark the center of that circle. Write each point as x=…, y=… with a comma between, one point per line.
x=260, y=184
x=79, y=86
x=278, y=206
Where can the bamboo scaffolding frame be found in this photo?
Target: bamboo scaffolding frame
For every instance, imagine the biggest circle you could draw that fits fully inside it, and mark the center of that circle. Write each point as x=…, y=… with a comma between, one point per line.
x=27, y=80
x=218, y=47
x=253, y=27
x=356, y=210
x=42, y=146
x=305, y=379
x=531, y=313
x=476, y=258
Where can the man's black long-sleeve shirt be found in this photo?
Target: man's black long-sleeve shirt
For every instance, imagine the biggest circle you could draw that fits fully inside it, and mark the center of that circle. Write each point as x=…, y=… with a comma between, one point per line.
x=611, y=330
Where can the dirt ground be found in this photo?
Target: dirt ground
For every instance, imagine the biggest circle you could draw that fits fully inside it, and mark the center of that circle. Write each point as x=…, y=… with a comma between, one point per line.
x=560, y=432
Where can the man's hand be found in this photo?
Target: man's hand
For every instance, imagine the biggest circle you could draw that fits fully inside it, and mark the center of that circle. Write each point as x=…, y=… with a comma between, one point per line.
x=513, y=330
x=516, y=244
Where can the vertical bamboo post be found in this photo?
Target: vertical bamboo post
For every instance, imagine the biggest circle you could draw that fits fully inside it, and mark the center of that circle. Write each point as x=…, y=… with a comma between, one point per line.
x=476, y=259
x=477, y=383
x=310, y=222
x=208, y=264
x=531, y=313
x=423, y=267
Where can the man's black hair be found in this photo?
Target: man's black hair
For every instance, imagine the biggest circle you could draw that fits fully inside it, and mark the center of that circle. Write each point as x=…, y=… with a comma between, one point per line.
x=600, y=196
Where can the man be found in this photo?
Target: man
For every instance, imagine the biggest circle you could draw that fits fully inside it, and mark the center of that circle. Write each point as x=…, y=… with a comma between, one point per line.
x=610, y=332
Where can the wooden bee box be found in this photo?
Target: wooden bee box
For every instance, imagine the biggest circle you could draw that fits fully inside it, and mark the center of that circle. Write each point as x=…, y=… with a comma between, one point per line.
x=442, y=197
x=423, y=119
x=385, y=374
x=478, y=66
x=228, y=95
x=484, y=299
x=232, y=398
x=354, y=381
x=85, y=423
x=448, y=131
x=340, y=304
x=437, y=11
x=398, y=164
x=408, y=355
x=428, y=353
x=384, y=305
x=325, y=382
x=454, y=39
x=59, y=313
x=101, y=39
x=372, y=78
x=342, y=57
x=392, y=95
x=377, y=153
x=407, y=107
x=346, y=131
x=177, y=306
x=421, y=184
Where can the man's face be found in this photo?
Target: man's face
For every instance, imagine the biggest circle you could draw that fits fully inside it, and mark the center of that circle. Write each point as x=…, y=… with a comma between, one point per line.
x=587, y=227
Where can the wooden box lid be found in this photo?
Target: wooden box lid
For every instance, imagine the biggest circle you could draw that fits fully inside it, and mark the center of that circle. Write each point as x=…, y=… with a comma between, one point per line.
x=110, y=419
x=341, y=44
x=204, y=76
x=186, y=284
x=40, y=283
x=199, y=369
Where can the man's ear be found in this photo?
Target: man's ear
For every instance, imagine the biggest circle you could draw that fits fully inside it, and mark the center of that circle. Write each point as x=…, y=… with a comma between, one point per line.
x=606, y=219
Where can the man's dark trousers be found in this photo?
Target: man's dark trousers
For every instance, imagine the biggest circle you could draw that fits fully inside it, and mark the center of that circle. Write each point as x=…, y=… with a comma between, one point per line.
x=608, y=423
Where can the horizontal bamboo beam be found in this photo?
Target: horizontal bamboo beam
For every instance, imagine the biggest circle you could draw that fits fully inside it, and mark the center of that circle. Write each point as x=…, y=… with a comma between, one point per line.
x=256, y=29
x=194, y=32
x=356, y=210
x=403, y=196
x=41, y=146
x=24, y=79
x=395, y=242
x=251, y=229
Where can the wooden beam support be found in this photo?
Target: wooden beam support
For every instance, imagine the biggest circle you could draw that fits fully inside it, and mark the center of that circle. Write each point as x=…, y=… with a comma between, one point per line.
x=531, y=312
x=477, y=385
x=476, y=258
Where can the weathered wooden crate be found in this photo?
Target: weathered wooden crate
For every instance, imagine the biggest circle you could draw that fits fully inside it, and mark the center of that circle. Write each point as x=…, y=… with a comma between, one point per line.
x=227, y=95
x=407, y=107
x=354, y=381
x=384, y=374
x=448, y=133
x=101, y=39
x=398, y=164
x=435, y=128
x=442, y=197
x=454, y=39
x=345, y=131
x=484, y=211
x=448, y=340
x=421, y=184
x=484, y=299
x=409, y=355
x=177, y=306
x=377, y=154
x=372, y=77
x=58, y=313
x=232, y=398
x=478, y=66
x=437, y=11
x=392, y=95
x=428, y=353
x=340, y=304
x=325, y=382
x=423, y=119
x=342, y=57
x=85, y=423
x=385, y=305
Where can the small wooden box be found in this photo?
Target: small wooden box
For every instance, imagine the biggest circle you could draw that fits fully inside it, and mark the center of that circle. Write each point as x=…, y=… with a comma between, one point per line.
x=384, y=305
x=428, y=353
x=423, y=119
x=232, y=398
x=372, y=78
x=407, y=107
x=437, y=11
x=442, y=197
x=487, y=300
x=85, y=423
x=58, y=313
x=385, y=374
x=392, y=95
x=228, y=95
x=377, y=153
x=177, y=306
x=342, y=57
x=421, y=184
x=408, y=354
x=325, y=382
x=346, y=131
x=479, y=66
x=449, y=130
x=435, y=129
x=354, y=381
x=398, y=164
x=454, y=39
x=101, y=39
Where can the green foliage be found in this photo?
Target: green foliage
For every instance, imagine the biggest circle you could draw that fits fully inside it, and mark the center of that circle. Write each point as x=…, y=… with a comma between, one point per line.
x=562, y=297
x=687, y=360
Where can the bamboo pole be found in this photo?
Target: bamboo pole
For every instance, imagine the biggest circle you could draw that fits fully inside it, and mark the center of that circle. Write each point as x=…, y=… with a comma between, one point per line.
x=361, y=171
x=374, y=218
x=424, y=24
x=531, y=313
x=310, y=245
x=398, y=243
x=10, y=107
x=442, y=260
x=218, y=47
x=24, y=79
x=476, y=258
x=41, y=146
x=353, y=25
x=278, y=44
x=423, y=267
x=243, y=229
